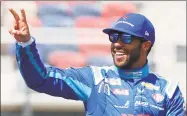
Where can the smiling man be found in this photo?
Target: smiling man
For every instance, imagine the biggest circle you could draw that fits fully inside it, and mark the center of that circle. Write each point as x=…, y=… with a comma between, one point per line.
x=126, y=50
x=127, y=88
x=131, y=40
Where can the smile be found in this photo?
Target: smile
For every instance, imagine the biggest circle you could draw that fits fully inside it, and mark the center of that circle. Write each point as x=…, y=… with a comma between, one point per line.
x=119, y=54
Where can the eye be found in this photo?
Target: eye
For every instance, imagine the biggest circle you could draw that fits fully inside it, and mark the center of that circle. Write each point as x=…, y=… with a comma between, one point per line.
x=113, y=37
x=126, y=38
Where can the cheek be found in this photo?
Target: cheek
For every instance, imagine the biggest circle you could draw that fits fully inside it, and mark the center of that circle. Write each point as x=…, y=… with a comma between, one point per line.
x=135, y=52
x=112, y=47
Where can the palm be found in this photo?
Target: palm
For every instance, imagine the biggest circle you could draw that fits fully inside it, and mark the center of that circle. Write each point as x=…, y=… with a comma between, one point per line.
x=19, y=28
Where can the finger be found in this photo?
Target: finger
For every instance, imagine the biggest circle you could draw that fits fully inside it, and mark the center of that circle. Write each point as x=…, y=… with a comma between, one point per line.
x=11, y=29
x=23, y=16
x=16, y=16
x=15, y=36
x=16, y=32
x=15, y=26
x=22, y=29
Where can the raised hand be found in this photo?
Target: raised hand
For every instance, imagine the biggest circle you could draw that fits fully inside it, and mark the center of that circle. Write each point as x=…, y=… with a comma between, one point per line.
x=20, y=29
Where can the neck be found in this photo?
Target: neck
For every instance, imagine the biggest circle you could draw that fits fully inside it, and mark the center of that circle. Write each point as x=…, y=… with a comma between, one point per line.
x=140, y=62
x=135, y=73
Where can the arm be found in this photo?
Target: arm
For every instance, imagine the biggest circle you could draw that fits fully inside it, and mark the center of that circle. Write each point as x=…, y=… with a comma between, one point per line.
x=71, y=83
x=68, y=83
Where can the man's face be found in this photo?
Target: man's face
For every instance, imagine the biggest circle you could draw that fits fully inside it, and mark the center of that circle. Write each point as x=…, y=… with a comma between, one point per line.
x=125, y=55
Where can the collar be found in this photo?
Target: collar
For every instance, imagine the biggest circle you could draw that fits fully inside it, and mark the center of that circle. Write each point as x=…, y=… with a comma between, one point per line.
x=137, y=73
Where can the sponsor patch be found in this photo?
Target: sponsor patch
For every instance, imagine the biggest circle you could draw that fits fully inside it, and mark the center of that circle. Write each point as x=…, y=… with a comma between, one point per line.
x=158, y=97
x=126, y=105
x=150, y=86
x=137, y=74
x=120, y=91
x=141, y=103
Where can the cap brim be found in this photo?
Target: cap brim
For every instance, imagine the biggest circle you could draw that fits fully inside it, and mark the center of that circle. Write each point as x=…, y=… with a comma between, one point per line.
x=108, y=30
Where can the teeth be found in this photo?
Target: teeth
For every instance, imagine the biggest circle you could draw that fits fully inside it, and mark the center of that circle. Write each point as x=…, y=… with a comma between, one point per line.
x=118, y=53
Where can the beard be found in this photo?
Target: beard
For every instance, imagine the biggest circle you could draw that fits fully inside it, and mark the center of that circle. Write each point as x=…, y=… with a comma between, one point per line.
x=129, y=59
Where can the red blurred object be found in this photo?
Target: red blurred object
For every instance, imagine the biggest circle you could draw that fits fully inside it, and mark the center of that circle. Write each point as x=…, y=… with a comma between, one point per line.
x=118, y=9
x=94, y=22
x=94, y=49
x=62, y=59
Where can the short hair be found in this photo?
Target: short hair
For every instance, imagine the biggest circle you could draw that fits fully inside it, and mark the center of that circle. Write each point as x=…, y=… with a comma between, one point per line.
x=143, y=40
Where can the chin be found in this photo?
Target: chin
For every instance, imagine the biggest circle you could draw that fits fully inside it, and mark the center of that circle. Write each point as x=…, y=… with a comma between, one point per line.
x=120, y=64
x=126, y=64
x=127, y=67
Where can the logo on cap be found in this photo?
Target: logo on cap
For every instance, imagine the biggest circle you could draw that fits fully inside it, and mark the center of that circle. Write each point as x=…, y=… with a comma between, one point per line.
x=146, y=33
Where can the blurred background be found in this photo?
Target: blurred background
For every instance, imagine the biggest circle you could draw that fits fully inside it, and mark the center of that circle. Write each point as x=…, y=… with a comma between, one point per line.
x=69, y=33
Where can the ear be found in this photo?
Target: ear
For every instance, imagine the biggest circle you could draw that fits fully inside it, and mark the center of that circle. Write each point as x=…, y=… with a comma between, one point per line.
x=146, y=45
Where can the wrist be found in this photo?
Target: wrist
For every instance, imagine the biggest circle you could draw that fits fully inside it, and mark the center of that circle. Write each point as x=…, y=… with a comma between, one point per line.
x=24, y=44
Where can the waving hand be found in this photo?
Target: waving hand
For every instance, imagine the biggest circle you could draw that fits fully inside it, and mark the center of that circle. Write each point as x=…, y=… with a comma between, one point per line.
x=19, y=29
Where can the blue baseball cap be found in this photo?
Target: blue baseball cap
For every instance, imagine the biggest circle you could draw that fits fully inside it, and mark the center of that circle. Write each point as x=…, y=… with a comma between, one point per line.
x=134, y=24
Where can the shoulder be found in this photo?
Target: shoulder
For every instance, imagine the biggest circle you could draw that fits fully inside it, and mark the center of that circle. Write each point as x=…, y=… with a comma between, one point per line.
x=101, y=69
x=168, y=85
x=99, y=72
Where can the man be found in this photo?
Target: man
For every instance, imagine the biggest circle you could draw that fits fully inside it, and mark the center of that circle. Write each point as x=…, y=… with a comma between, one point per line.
x=126, y=89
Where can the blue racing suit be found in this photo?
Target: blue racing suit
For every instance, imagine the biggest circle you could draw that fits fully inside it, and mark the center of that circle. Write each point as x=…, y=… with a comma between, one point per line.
x=105, y=91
